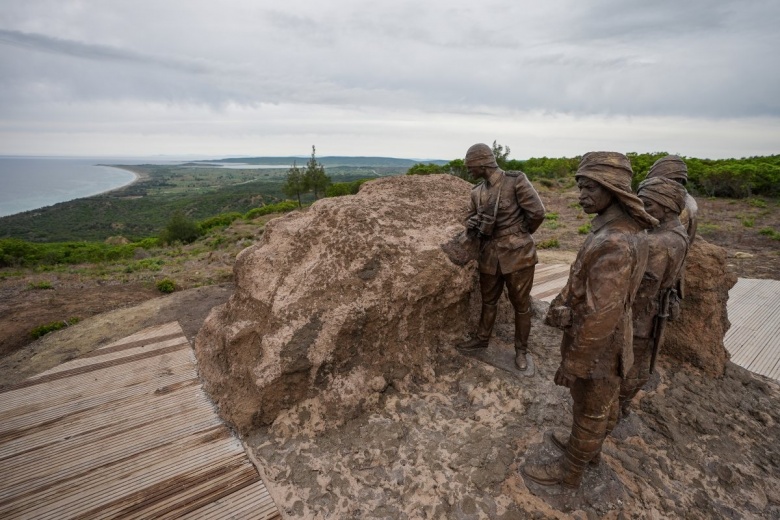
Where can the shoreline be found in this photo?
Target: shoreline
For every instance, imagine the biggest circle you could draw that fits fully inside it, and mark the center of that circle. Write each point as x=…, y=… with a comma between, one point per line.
x=138, y=177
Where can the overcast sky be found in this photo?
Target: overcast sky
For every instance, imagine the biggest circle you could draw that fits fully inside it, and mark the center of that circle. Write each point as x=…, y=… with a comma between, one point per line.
x=389, y=77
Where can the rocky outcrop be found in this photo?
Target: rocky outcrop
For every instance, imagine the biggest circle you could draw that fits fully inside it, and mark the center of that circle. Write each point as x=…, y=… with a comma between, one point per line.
x=338, y=303
x=696, y=337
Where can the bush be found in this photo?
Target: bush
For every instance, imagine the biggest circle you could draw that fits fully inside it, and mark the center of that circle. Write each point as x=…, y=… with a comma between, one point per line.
x=279, y=207
x=584, y=229
x=426, y=169
x=180, y=228
x=166, y=285
x=18, y=253
x=548, y=244
x=42, y=330
x=338, y=189
x=221, y=220
x=769, y=232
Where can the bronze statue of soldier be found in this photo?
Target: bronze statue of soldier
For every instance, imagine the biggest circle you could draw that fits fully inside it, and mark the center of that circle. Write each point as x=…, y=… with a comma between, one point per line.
x=594, y=311
x=505, y=210
x=674, y=168
x=656, y=299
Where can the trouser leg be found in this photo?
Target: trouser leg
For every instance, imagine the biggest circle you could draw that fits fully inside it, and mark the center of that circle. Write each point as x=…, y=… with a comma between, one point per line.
x=519, y=285
x=491, y=286
x=593, y=402
x=487, y=319
x=638, y=375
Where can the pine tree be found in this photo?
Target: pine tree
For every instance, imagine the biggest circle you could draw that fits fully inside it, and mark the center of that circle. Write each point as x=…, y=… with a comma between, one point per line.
x=295, y=183
x=315, y=178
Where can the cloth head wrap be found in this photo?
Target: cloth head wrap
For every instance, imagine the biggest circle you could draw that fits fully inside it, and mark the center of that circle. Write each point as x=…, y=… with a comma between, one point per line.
x=666, y=192
x=613, y=171
x=481, y=155
x=670, y=167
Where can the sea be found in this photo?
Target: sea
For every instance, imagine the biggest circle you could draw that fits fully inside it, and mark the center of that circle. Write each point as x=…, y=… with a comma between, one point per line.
x=28, y=183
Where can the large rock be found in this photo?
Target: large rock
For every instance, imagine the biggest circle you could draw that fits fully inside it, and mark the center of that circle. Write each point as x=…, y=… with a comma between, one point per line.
x=696, y=337
x=338, y=303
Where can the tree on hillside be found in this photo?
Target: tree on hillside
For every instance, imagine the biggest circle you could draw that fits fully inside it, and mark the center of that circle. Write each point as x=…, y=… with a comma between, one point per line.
x=295, y=184
x=315, y=178
x=501, y=152
x=180, y=228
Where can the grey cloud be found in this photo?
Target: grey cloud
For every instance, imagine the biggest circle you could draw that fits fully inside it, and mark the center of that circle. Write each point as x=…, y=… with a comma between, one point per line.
x=91, y=51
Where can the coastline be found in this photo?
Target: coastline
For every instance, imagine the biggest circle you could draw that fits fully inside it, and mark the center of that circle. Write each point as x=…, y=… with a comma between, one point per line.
x=32, y=196
x=139, y=176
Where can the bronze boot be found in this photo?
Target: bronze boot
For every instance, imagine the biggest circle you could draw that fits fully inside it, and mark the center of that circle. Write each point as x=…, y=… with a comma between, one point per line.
x=555, y=472
x=561, y=441
x=486, y=320
x=522, y=331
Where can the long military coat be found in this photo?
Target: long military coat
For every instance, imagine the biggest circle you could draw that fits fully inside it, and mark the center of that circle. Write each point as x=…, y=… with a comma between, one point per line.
x=602, y=285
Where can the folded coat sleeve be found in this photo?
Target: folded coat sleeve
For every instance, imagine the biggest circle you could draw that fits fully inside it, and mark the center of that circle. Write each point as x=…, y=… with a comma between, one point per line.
x=608, y=281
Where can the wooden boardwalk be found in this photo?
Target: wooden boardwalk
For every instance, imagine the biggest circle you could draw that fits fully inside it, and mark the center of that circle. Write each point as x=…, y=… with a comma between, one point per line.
x=754, y=337
x=124, y=432
x=549, y=279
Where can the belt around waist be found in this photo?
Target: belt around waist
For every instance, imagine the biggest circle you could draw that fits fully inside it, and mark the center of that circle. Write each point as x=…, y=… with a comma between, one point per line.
x=511, y=230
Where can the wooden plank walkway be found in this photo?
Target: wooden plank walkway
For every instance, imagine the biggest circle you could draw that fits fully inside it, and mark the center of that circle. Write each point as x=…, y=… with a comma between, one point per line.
x=549, y=279
x=754, y=337
x=124, y=432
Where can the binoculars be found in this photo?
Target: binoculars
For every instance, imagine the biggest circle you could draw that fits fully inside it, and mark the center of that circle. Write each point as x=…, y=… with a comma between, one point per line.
x=482, y=224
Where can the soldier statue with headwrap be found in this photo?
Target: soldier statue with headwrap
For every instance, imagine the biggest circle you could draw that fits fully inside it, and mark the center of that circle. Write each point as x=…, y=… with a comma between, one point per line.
x=672, y=167
x=655, y=301
x=505, y=210
x=594, y=311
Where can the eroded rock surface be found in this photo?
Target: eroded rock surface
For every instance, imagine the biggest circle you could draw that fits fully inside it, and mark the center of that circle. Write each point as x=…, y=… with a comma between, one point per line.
x=338, y=303
x=697, y=336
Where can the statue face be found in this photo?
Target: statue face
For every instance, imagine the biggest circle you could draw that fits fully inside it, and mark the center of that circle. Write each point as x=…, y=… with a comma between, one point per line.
x=653, y=208
x=477, y=172
x=594, y=198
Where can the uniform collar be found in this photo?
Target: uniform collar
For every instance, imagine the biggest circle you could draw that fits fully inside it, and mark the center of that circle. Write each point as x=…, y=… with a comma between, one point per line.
x=611, y=213
x=494, y=177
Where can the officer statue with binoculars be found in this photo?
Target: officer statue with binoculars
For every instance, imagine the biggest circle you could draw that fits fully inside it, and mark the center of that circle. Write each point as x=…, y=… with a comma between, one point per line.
x=505, y=210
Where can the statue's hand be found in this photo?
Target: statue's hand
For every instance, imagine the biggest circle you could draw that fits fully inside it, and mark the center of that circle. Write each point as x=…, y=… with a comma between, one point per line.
x=472, y=222
x=562, y=378
x=558, y=316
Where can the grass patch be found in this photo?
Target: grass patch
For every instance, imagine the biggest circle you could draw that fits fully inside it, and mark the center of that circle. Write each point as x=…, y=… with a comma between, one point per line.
x=707, y=229
x=42, y=330
x=584, y=229
x=280, y=207
x=548, y=244
x=757, y=203
x=769, y=232
x=37, y=286
x=748, y=221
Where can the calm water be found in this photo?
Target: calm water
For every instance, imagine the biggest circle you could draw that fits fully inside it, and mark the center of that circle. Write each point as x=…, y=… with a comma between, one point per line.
x=32, y=182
